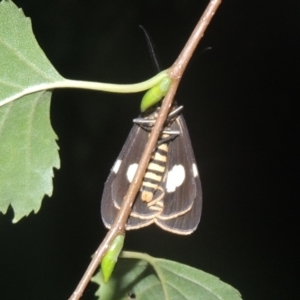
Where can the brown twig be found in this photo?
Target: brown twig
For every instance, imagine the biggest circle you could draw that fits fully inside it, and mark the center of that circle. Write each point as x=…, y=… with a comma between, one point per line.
x=175, y=73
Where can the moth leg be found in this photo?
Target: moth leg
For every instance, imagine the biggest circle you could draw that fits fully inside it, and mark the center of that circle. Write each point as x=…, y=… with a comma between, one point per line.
x=150, y=122
x=175, y=112
x=172, y=135
x=144, y=122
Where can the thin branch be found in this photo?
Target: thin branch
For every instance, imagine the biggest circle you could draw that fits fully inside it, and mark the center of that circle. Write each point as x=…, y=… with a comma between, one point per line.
x=181, y=62
x=175, y=73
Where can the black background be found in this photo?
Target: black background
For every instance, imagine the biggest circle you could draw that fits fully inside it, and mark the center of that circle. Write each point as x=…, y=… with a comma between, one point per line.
x=240, y=107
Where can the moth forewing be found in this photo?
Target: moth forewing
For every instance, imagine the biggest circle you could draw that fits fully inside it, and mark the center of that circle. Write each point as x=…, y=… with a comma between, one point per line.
x=183, y=206
x=118, y=183
x=186, y=223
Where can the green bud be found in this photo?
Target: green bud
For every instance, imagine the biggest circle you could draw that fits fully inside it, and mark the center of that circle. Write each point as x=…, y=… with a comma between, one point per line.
x=155, y=94
x=110, y=258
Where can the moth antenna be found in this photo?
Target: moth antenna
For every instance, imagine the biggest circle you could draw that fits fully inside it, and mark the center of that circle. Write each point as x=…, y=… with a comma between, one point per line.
x=151, y=48
x=206, y=50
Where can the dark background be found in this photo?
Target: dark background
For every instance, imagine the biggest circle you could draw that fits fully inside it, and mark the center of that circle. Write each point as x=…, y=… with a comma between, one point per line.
x=240, y=107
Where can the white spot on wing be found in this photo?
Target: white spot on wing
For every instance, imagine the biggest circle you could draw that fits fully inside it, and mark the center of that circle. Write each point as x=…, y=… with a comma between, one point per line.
x=131, y=172
x=195, y=170
x=175, y=178
x=116, y=166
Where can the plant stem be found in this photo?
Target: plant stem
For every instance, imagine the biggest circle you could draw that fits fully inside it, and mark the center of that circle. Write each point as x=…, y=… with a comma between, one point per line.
x=175, y=72
x=89, y=85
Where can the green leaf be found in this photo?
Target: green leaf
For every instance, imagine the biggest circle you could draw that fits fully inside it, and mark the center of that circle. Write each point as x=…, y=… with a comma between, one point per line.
x=28, y=153
x=149, y=278
x=23, y=64
x=28, y=150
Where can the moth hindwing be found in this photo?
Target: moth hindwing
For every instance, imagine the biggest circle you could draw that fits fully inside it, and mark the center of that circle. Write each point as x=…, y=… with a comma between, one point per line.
x=171, y=194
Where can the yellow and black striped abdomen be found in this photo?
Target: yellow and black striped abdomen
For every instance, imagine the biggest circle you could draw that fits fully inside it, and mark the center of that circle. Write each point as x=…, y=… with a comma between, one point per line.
x=155, y=172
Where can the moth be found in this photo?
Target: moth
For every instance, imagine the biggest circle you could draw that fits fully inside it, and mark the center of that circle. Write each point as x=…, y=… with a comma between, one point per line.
x=171, y=194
